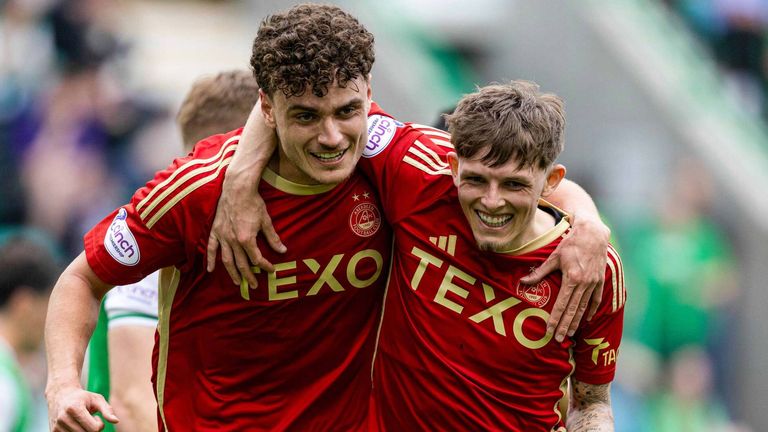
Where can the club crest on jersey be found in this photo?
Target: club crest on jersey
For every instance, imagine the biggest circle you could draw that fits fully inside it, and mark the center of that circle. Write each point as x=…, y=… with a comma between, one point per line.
x=119, y=241
x=381, y=130
x=365, y=219
x=537, y=295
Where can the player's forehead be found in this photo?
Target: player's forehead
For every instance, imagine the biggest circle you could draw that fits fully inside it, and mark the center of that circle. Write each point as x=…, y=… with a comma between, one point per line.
x=338, y=96
x=510, y=170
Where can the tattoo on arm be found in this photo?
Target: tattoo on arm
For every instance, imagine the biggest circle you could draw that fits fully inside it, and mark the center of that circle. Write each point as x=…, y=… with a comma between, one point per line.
x=590, y=408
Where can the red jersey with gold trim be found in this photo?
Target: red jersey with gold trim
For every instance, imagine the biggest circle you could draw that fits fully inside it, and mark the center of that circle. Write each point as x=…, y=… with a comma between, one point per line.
x=293, y=353
x=462, y=345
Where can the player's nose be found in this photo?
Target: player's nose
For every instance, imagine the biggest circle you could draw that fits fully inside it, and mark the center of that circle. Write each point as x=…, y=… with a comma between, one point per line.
x=491, y=198
x=330, y=133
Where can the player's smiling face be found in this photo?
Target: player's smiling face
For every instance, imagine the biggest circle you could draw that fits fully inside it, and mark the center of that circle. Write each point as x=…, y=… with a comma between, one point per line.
x=320, y=138
x=500, y=202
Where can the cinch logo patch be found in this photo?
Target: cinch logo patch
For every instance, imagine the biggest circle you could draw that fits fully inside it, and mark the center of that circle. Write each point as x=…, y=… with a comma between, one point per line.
x=381, y=130
x=119, y=241
x=536, y=295
x=365, y=220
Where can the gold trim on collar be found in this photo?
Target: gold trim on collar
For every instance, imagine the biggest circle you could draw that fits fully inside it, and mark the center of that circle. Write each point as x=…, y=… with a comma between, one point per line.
x=546, y=238
x=292, y=188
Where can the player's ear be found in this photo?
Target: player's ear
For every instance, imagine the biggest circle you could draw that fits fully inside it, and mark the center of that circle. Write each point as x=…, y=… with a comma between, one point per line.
x=267, y=108
x=453, y=162
x=555, y=175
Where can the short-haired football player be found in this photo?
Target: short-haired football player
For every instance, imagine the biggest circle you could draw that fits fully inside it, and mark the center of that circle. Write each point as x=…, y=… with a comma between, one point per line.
x=463, y=344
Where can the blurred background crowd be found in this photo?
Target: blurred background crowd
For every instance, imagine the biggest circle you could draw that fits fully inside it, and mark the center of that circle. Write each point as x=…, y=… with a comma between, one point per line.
x=666, y=104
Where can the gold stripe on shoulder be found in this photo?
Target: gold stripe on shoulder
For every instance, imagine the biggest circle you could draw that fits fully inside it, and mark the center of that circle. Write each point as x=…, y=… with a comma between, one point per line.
x=172, y=178
x=428, y=156
x=188, y=190
x=619, y=268
x=614, y=285
x=437, y=136
x=169, y=283
x=289, y=187
x=419, y=165
x=429, y=130
x=182, y=181
x=442, y=142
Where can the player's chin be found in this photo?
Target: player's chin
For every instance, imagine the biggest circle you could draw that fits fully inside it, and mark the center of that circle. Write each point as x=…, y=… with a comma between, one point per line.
x=490, y=241
x=334, y=175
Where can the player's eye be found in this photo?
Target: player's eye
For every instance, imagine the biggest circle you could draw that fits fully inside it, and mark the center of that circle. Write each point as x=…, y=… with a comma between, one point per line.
x=474, y=180
x=305, y=117
x=347, y=111
x=513, y=185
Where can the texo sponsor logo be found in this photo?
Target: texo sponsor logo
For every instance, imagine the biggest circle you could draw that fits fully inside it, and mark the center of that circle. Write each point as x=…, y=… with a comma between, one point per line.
x=499, y=313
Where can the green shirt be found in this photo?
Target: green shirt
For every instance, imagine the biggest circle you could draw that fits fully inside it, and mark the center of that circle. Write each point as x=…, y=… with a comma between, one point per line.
x=98, y=362
x=13, y=384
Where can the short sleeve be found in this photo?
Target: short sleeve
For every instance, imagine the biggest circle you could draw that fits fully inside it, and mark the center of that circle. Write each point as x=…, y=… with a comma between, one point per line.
x=597, y=341
x=407, y=165
x=165, y=219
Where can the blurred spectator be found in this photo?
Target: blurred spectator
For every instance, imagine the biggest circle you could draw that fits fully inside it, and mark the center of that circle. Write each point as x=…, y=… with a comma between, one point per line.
x=637, y=378
x=685, y=265
x=741, y=50
x=688, y=402
x=67, y=134
x=735, y=31
x=26, y=59
x=27, y=273
x=683, y=278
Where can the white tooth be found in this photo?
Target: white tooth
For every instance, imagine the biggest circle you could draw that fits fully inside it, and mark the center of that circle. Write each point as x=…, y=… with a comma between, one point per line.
x=493, y=220
x=328, y=155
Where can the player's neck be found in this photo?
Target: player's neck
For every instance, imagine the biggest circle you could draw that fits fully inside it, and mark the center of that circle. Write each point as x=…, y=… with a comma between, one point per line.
x=7, y=335
x=542, y=223
x=283, y=167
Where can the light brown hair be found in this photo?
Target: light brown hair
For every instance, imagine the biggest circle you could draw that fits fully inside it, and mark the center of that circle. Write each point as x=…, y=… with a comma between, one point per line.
x=216, y=104
x=509, y=121
x=312, y=46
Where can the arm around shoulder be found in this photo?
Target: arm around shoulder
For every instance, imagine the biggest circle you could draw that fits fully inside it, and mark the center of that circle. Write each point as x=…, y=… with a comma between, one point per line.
x=581, y=258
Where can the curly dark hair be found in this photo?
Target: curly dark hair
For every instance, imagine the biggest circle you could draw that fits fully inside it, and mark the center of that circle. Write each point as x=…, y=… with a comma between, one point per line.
x=310, y=45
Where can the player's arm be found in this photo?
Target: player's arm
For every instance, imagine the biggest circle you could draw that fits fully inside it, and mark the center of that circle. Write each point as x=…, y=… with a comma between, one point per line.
x=241, y=213
x=590, y=408
x=130, y=375
x=581, y=258
x=72, y=313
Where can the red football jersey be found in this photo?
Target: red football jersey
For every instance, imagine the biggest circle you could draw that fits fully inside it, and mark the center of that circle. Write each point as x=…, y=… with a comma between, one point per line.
x=292, y=354
x=462, y=345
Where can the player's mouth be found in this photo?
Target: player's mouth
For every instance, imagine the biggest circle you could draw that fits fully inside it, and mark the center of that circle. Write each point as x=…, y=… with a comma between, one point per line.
x=329, y=157
x=493, y=221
